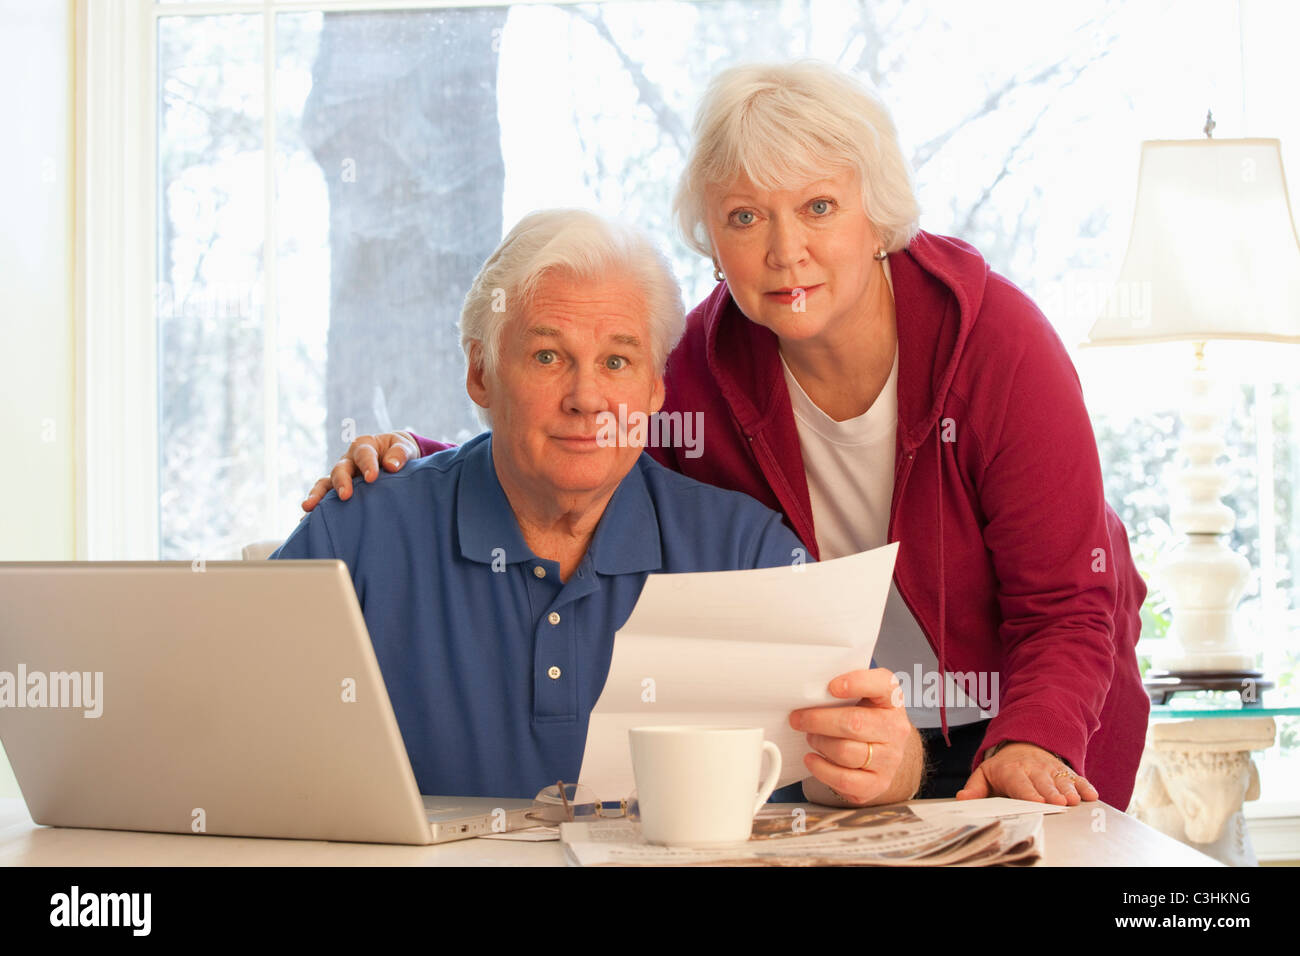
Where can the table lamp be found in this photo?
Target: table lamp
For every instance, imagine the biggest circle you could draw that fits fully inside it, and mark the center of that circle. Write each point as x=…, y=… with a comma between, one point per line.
x=1213, y=254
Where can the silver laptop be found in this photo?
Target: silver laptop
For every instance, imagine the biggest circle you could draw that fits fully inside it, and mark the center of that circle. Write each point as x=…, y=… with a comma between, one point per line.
x=227, y=698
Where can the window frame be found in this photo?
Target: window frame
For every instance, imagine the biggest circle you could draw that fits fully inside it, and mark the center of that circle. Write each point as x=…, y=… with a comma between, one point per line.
x=118, y=513
x=115, y=327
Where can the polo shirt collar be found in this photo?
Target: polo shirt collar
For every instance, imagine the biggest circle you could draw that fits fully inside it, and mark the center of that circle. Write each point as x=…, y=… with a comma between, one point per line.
x=626, y=539
x=484, y=521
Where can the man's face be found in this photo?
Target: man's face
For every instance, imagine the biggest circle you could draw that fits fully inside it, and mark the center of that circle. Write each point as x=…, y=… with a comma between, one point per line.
x=579, y=349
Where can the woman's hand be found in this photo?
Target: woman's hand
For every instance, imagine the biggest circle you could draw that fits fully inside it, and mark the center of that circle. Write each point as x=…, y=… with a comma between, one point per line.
x=362, y=458
x=866, y=754
x=1027, y=772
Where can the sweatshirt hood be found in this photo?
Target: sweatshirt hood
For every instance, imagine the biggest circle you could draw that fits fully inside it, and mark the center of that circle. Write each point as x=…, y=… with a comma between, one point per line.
x=939, y=287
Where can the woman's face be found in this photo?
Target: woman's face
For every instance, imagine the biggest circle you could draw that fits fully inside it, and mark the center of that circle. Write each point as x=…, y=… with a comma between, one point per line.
x=817, y=239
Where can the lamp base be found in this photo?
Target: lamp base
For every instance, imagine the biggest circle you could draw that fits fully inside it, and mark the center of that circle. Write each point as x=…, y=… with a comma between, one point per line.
x=1203, y=650
x=1162, y=685
x=1204, y=577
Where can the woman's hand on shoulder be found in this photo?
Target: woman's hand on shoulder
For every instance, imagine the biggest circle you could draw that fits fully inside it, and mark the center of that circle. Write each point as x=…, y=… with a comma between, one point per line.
x=362, y=458
x=1025, y=771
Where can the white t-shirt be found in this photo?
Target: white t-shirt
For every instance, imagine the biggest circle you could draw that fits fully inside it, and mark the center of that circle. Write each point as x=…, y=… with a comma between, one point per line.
x=850, y=464
x=850, y=470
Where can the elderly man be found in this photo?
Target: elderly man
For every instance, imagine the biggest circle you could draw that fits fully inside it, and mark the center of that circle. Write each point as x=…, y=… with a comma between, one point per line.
x=493, y=576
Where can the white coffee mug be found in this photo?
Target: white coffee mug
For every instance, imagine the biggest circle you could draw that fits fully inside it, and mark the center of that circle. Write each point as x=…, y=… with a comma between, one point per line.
x=695, y=785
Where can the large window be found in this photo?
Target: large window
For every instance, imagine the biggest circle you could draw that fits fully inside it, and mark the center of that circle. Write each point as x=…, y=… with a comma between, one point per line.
x=330, y=177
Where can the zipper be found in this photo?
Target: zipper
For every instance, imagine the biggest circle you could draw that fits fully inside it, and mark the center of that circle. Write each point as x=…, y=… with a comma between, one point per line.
x=900, y=482
x=772, y=471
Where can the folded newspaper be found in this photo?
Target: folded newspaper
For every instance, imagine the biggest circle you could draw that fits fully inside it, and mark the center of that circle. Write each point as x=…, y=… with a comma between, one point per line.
x=807, y=835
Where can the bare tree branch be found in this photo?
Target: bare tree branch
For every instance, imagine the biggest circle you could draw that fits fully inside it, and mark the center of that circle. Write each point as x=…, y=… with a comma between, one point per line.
x=927, y=150
x=1024, y=137
x=1020, y=231
x=594, y=183
x=869, y=58
x=1005, y=171
x=647, y=91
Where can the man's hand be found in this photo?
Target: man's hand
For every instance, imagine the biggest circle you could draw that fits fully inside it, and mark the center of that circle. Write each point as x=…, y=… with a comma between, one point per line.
x=362, y=458
x=866, y=754
x=1027, y=772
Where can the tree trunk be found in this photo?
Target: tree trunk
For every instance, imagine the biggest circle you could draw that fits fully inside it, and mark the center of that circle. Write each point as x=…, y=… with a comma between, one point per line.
x=402, y=118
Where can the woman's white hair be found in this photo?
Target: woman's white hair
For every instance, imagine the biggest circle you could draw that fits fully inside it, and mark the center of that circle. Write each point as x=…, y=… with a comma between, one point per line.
x=786, y=125
x=577, y=244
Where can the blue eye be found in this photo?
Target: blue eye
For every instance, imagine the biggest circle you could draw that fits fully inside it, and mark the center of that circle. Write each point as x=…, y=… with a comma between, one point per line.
x=546, y=357
x=820, y=207
x=743, y=217
x=615, y=363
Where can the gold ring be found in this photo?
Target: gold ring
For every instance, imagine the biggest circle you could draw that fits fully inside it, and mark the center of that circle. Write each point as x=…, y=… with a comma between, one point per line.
x=869, y=754
x=1064, y=772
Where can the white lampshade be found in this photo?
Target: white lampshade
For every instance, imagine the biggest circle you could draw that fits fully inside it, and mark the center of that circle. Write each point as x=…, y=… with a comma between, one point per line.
x=1213, y=253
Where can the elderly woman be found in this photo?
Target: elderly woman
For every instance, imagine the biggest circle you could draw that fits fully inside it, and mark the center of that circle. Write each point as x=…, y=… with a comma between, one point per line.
x=876, y=383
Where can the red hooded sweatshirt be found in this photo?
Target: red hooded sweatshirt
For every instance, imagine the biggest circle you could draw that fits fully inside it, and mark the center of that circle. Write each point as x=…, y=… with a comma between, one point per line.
x=1009, y=559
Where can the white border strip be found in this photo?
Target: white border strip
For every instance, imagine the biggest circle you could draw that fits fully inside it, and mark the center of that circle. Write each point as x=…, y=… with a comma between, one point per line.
x=334, y=6
x=270, y=256
x=116, y=332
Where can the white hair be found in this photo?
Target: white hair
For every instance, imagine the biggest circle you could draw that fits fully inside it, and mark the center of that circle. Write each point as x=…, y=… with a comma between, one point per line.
x=577, y=244
x=787, y=125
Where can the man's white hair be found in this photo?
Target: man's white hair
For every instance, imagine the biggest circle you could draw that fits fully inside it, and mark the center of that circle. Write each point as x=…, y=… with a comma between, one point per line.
x=790, y=124
x=576, y=244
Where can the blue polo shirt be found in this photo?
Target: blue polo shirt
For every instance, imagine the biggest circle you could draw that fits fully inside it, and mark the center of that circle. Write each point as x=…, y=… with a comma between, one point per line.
x=493, y=663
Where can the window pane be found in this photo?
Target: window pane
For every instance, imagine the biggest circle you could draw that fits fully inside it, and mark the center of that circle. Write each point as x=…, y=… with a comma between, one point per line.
x=407, y=141
x=389, y=184
x=211, y=231
x=302, y=212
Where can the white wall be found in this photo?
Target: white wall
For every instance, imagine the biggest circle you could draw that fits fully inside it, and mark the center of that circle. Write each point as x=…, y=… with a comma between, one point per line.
x=37, y=357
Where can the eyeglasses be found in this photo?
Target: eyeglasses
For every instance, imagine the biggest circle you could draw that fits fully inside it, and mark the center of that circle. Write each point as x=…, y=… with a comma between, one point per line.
x=576, y=803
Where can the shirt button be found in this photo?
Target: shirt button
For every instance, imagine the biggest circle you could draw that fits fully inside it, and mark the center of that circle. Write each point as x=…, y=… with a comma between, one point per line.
x=539, y=571
x=553, y=673
x=554, y=617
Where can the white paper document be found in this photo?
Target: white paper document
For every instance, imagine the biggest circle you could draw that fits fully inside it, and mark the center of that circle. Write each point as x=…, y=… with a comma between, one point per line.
x=988, y=808
x=736, y=649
